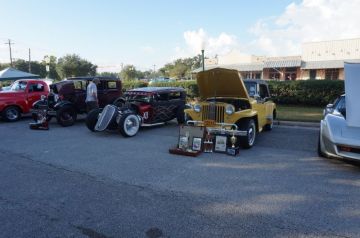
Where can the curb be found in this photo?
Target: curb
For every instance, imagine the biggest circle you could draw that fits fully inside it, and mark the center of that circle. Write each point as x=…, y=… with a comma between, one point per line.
x=297, y=123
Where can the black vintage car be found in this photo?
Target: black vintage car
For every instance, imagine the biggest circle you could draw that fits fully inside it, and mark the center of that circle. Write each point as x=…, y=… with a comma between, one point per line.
x=67, y=98
x=141, y=107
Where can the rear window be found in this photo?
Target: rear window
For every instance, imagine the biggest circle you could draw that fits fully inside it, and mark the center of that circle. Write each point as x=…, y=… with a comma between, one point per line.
x=111, y=85
x=174, y=95
x=80, y=85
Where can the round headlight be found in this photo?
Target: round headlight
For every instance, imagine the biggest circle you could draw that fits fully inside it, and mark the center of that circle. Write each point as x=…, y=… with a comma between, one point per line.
x=197, y=108
x=230, y=109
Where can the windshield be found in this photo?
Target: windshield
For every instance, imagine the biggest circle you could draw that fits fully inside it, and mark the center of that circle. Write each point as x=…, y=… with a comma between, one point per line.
x=341, y=105
x=251, y=88
x=138, y=97
x=18, y=86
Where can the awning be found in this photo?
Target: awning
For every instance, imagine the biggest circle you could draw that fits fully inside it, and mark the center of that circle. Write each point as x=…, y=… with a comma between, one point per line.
x=14, y=74
x=282, y=63
x=238, y=67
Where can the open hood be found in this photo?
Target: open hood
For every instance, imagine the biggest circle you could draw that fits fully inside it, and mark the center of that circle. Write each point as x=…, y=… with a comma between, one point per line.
x=352, y=97
x=220, y=82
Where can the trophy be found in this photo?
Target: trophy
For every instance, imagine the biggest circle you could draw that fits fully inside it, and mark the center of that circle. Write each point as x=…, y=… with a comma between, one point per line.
x=233, y=141
x=208, y=143
x=233, y=150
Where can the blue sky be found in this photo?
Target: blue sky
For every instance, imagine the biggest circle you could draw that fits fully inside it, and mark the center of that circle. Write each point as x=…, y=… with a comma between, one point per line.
x=145, y=33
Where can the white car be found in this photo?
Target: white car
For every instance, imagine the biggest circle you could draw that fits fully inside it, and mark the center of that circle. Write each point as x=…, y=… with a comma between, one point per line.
x=337, y=139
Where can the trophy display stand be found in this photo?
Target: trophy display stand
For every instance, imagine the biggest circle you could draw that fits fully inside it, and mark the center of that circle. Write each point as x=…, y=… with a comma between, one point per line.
x=190, y=142
x=193, y=140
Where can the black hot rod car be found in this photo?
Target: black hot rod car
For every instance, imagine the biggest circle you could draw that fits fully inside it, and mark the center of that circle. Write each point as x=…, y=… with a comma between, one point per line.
x=141, y=107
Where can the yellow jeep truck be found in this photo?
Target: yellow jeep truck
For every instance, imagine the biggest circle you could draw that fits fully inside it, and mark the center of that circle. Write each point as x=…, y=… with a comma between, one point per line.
x=232, y=105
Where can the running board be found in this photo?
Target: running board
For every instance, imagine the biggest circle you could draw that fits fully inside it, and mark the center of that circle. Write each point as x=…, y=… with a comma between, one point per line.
x=155, y=124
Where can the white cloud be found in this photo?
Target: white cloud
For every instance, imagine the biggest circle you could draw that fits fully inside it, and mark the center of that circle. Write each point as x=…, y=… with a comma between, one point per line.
x=199, y=39
x=147, y=49
x=310, y=20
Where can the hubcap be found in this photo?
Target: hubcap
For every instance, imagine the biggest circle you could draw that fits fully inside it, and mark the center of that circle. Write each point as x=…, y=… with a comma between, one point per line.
x=131, y=125
x=251, y=135
x=12, y=114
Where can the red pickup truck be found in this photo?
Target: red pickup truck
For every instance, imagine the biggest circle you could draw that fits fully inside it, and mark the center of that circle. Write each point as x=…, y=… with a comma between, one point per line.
x=19, y=99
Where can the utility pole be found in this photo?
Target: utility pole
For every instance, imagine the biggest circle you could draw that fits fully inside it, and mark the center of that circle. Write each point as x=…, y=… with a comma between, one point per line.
x=154, y=67
x=9, y=43
x=29, y=61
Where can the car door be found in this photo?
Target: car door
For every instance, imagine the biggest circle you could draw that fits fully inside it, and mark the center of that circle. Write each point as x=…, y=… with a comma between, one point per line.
x=34, y=92
x=102, y=93
x=112, y=91
x=262, y=105
x=163, y=109
x=80, y=95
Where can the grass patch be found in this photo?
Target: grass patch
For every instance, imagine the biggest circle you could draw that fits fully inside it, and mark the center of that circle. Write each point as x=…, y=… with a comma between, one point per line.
x=299, y=113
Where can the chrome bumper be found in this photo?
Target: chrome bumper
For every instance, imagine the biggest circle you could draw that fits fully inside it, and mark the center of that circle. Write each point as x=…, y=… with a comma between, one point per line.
x=220, y=128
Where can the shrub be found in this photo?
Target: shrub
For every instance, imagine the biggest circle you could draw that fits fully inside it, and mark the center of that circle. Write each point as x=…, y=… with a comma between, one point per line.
x=130, y=84
x=190, y=86
x=301, y=92
x=306, y=92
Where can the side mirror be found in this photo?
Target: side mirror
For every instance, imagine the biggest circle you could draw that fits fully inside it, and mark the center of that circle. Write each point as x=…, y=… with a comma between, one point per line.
x=330, y=105
x=329, y=108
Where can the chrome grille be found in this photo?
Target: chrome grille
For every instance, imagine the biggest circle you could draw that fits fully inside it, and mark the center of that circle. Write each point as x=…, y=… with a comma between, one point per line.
x=213, y=112
x=105, y=117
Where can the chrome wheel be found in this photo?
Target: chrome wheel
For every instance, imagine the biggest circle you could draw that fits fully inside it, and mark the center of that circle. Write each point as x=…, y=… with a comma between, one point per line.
x=251, y=134
x=131, y=125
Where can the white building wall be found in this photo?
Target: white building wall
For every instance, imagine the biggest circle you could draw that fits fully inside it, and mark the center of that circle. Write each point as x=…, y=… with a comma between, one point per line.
x=331, y=50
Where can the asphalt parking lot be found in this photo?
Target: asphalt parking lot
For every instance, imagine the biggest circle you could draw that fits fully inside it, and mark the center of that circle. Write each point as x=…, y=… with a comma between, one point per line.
x=70, y=182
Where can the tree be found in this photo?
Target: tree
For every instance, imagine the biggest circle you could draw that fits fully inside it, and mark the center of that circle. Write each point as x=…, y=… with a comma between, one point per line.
x=129, y=72
x=108, y=74
x=181, y=68
x=73, y=65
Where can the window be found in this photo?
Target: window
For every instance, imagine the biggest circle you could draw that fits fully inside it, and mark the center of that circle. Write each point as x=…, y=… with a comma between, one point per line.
x=290, y=73
x=18, y=86
x=79, y=85
x=162, y=97
x=174, y=95
x=251, y=88
x=38, y=87
x=332, y=74
x=274, y=75
x=312, y=74
x=290, y=76
x=111, y=85
x=263, y=91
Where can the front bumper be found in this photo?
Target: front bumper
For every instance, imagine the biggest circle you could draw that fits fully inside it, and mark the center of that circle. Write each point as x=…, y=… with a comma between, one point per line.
x=220, y=128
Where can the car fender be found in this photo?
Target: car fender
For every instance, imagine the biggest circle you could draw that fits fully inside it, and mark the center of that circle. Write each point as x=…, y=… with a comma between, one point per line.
x=38, y=103
x=60, y=104
x=119, y=99
x=330, y=132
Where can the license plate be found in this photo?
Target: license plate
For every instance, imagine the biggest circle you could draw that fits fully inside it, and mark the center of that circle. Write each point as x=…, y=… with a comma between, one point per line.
x=209, y=123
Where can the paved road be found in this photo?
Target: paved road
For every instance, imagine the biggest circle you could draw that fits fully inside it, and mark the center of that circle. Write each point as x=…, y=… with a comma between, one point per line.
x=69, y=182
